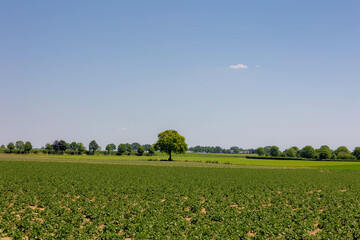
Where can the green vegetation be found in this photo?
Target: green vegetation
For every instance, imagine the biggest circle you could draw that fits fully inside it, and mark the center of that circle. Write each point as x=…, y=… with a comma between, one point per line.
x=44, y=200
x=189, y=157
x=260, y=151
x=307, y=152
x=170, y=141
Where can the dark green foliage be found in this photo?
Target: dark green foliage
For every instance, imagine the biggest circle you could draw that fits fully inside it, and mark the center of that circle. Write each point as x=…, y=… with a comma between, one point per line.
x=307, y=152
x=93, y=146
x=343, y=153
x=295, y=148
x=121, y=149
x=110, y=147
x=49, y=147
x=260, y=151
x=218, y=149
x=80, y=148
x=73, y=146
x=27, y=147
x=20, y=145
x=341, y=149
x=63, y=146
x=140, y=150
x=235, y=149
x=146, y=147
x=129, y=149
x=274, y=151
x=291, y=153
x=11, y=147
x=151, y=150
x=85, y=201
x=324, y=152
x=356, y=153
x=135, y=146
x=56, y=146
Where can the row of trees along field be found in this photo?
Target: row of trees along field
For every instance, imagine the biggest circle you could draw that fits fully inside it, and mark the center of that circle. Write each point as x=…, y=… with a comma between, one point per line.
x=218, y=149
x=308, y=152
x=62, y=147
x=169, y=141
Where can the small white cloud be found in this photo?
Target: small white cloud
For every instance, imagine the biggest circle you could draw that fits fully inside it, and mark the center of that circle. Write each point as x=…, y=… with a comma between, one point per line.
x=257, y=66
x=123, y=129
x=239, y=66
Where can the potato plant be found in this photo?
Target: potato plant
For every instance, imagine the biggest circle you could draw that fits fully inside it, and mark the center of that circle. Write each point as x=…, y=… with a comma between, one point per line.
x=42, y=200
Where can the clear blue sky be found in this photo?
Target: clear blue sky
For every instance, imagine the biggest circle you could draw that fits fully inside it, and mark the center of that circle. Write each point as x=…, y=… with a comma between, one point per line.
x=122, y=71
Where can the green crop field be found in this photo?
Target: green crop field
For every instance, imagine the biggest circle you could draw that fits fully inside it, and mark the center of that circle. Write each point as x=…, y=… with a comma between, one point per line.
x=44, y=198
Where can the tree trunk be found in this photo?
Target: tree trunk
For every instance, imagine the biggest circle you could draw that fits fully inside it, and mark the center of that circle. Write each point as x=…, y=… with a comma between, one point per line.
x=169, y=156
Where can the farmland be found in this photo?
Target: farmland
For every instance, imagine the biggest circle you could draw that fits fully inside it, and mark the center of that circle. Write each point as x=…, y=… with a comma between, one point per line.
x=235, y=159
x=52, y=198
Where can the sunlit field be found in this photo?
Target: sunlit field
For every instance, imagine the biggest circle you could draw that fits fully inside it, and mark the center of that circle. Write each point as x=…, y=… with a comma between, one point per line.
x=175, y=200
x=189, y=157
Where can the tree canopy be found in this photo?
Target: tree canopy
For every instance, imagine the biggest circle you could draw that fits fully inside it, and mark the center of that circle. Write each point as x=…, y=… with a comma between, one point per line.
x=324, y=152
x=170, y=141
x=121, y=149
x=356, y=152
x=291, y=152
x=27, y=147
x=260, y=151
x=93, y=146
x=274, y=151
x=140, y=150
x=20, y=145
x=307, y=152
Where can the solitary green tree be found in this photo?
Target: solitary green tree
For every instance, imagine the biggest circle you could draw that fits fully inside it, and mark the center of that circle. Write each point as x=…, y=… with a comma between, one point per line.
x=93, y=146
x=171, y=141
x=260, y=151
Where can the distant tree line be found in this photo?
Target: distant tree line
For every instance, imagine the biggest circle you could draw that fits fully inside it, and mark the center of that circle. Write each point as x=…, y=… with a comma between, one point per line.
x=62, y=147
x=74, y=148
x=217, y=149
x=308, y=152
x=18, y=147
